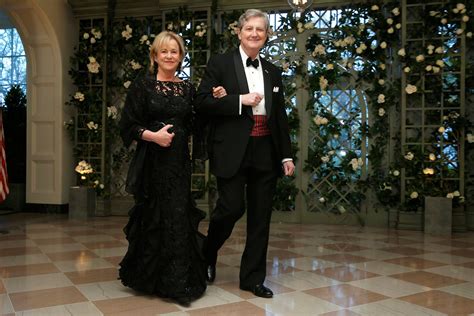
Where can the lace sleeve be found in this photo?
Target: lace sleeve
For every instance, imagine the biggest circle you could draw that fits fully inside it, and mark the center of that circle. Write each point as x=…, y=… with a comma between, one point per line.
x=133, y=117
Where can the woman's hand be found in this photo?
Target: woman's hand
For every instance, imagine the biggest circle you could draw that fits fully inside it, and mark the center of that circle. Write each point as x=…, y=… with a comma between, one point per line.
x=219, y=92
x=162, y=137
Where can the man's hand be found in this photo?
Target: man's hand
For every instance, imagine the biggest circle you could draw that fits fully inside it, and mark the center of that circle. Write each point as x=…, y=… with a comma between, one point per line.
x=252, y=99
x=288, y=168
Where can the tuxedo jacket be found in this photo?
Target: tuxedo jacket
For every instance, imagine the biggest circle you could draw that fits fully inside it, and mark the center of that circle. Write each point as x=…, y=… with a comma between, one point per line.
x=229, y=131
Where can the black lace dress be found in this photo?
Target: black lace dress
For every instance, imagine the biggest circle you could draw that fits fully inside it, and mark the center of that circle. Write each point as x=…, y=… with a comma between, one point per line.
x=164, y=256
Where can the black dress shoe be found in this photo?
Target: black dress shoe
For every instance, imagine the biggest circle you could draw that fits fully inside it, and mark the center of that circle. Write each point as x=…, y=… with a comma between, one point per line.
x=211, y=273
x=259, y=290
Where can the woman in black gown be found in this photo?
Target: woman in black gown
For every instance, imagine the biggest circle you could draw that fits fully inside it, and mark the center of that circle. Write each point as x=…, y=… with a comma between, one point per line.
x=164, y=256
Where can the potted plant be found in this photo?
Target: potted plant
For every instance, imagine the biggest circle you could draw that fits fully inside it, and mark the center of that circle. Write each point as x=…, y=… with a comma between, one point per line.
x=82, y=198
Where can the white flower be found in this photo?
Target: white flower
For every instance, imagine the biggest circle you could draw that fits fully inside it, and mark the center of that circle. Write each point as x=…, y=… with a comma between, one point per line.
x=92, y=40
x=429, y=68
x=356, y=163
x=450, y=196
x=112, y=112
x=325, y=159
x=381, y=112
x=341, y=209
x=390, y=30
x=444, y=21
x=401, y=52
x=143, y=39
x=390, y=21
x=97, y=34
x=386, y=187
x=319, y=50
x=460, y=6
x=79, y=96
x=396, y=173
x=407, y=69
x=469, y=34
x=323, y=83
x=322, y=200
x=83, y=167
x=127, y=34
x=349, y=40
x=434, y=13
x=420, y=58
x=428, y=171
x=169, y=27
x=410, y=89
x=126, y=84
x=381, y=82
x=135, y=65
x=441, y=129
x=382, y=66
x=86, y=35
x=398, y=26
x=456, y=193
x=465, y=18
x=436, y=69
x=383, y=45
x=309, y=26
x=430, y=47
x=319, y=120
x=381, y=98
x=293, y=84
x=470, y=138
x=92, y=126
x=396, y=11
x=414, y=195
x=440, y=63
x=432, y=157
x=93, y=66
x=459, y=31
x=101, y=186
x=374, y=7
x=329, y=66
x=331, y=152
x=409, y=156
x=439, y=50
x=455, y=10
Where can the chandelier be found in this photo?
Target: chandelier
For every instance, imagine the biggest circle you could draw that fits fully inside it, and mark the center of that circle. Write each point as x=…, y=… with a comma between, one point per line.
x=300, y=5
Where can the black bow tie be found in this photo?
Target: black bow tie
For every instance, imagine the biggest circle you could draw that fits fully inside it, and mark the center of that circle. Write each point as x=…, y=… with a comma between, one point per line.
x=251, y=62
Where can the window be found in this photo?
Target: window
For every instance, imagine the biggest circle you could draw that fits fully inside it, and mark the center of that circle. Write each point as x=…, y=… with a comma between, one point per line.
x=12, y=61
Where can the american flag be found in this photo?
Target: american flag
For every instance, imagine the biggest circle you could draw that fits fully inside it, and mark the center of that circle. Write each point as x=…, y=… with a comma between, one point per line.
x=4, y=190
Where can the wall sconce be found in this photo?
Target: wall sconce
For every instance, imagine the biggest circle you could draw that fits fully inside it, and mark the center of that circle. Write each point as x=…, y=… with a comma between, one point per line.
x=300, y=5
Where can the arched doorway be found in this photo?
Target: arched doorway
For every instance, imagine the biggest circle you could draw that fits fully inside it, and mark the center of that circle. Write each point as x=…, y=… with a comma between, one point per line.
x=45, y=28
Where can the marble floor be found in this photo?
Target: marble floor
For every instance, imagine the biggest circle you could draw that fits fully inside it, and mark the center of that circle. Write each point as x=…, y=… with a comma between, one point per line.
x=50, y=265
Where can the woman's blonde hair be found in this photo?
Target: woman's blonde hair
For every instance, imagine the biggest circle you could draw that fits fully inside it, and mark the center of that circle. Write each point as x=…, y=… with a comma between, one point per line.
x=160, y=40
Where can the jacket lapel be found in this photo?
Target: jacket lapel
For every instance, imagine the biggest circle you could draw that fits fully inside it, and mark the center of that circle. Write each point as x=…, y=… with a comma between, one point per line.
x=241, y=79
x=267, y=83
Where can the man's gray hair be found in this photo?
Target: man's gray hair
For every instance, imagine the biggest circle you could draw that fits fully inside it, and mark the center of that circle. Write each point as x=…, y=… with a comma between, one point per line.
x=254, y=13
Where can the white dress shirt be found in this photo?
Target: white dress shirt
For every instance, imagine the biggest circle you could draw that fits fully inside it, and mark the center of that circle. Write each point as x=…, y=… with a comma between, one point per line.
x=255, y=82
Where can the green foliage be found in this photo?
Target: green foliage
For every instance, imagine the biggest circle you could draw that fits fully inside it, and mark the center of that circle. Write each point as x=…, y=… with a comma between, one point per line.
x=15, y=98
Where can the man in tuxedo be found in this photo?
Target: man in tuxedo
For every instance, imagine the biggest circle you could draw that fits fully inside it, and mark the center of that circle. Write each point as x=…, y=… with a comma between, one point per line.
x=249, y=146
